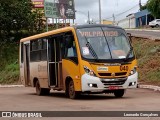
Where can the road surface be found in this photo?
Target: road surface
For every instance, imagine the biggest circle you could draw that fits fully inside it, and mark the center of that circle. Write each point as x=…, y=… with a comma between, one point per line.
x=25, y=99
x=145, y=34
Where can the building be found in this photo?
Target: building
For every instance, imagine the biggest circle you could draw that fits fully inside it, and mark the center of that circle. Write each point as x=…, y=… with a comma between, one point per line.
x=128, y=22
x=107, y=22
x=136, y=20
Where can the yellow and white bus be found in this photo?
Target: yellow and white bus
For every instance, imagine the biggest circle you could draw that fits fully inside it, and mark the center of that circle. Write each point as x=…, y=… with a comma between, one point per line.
x=79, y=59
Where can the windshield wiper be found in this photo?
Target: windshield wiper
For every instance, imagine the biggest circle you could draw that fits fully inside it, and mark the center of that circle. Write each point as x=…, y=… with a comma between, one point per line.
x=129, y=52
x=92, y=50
x=107, y=43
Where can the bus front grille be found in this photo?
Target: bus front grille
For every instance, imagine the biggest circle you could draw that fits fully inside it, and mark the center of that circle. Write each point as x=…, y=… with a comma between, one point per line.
x=117, y=81
x=110, y=74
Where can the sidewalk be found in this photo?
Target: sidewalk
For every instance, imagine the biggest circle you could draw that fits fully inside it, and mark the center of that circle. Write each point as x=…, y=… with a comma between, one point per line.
x=10, y=86
x=145, y=33
x=148, y=30
x=152, y=87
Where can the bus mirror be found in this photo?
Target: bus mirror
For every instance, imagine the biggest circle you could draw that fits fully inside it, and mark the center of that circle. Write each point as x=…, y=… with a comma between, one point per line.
x=129, y=36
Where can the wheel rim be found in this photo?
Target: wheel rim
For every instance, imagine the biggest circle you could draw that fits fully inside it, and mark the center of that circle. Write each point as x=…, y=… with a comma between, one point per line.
x=71, y=89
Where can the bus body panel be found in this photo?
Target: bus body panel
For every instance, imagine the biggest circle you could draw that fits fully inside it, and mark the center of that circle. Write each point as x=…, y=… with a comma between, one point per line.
x=70, y=69
x=38, y=70
x=21, y=64
x=26, y=63
x=86, y=79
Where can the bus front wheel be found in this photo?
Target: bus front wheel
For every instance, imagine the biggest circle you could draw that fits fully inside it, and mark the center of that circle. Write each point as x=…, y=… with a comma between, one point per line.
x=119, y=93
x=41, y=91
x=71, y=93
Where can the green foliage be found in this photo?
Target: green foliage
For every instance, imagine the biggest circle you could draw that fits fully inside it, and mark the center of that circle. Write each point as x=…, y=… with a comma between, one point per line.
x=153, y=76
x=143, y=7
x=18, y=18
x=8, y=54
x=10, y=74
x=9, y=68
x=154, y=7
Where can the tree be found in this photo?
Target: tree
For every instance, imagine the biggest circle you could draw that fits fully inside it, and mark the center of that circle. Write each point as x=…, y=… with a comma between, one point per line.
x=143, y=7
x=154, y=7
x=16, y=17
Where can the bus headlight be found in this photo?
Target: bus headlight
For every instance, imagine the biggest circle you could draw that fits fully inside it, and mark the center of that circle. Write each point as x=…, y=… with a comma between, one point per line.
x=88, y=71
x=133, y=71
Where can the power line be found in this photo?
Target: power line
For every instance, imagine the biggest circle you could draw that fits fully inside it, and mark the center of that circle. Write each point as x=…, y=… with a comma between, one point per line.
x=123, y=12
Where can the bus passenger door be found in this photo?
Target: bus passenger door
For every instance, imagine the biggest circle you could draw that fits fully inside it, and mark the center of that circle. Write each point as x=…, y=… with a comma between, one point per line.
x=26, y=64
x=54, y=63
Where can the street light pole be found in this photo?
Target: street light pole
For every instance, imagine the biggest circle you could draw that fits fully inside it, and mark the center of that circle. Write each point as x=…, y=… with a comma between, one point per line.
x=100, y=12
x=88, y=18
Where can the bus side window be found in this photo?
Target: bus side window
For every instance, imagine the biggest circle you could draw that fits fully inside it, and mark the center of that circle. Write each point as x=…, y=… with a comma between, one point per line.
x=44, y=50
x=44, y=45
x=39, y=44
x=34, y=45
x=35, y=54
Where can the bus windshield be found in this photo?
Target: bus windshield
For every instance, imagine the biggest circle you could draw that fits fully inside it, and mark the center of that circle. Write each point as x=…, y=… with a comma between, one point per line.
x=104, y=43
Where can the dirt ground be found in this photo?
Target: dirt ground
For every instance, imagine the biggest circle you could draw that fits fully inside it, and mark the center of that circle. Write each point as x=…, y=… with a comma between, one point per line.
x=148, y=55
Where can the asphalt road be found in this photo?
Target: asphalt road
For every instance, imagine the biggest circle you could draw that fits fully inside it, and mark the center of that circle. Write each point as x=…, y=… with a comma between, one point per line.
x=145, y=34
x=25, y=99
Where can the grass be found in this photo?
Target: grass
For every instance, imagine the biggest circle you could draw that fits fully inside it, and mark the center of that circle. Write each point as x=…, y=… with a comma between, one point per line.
x=9, y=68
x=10, y=74
x=148, y=55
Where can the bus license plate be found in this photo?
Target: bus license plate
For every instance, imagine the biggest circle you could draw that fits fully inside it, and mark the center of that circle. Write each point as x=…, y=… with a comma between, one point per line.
x=113, y=87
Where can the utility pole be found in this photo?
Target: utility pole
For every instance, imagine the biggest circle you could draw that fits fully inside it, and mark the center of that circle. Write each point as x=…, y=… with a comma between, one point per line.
x=113, y=19
x=100, y=12
x=47, y=24
x=140, y=5
x=88, y=18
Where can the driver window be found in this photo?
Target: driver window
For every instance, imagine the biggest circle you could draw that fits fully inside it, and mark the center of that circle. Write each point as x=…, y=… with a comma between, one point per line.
x=72, y=50
x=70, y=47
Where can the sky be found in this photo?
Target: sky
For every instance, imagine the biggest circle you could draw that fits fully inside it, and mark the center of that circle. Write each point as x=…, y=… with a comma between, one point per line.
x=108, y=8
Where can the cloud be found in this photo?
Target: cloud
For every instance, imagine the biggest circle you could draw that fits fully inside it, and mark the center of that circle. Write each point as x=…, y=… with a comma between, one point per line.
x=109, y=7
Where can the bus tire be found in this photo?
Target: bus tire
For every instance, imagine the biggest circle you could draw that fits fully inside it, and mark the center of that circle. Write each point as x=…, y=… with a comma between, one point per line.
x=46, y=91
x=119, y=93
x=41, y=91
x=71, y=91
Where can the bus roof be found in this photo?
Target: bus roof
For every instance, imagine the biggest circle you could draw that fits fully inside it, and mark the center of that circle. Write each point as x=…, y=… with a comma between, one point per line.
x=66, y=29
x=96, y=25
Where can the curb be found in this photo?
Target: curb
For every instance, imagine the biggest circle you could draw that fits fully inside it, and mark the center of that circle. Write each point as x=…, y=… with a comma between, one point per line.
x=10, y=86
x=156, y=39
x=152, y=87
x=143, y=30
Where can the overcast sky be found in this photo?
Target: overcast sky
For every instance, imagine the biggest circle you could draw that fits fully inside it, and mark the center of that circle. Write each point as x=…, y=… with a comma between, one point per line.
x=109, y=7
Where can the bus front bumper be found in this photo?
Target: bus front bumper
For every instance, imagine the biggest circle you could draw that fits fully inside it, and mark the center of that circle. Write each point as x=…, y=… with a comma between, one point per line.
x=94, y=84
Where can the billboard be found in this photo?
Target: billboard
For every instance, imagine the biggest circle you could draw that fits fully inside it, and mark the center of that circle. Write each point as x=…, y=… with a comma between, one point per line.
x=38, y=3
x=62, y=9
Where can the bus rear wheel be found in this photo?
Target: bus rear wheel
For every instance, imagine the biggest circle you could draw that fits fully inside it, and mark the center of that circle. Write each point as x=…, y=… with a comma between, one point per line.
x=71, y=90
x=41, y=91
x=119, y=93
